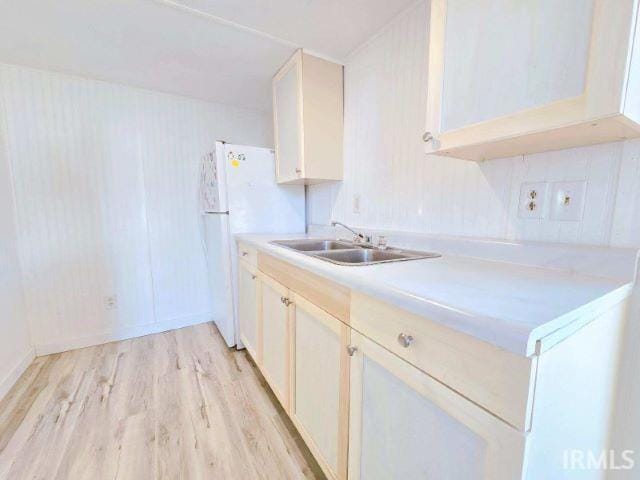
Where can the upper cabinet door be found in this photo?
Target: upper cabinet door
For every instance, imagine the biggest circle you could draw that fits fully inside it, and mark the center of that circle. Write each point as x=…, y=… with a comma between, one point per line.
x=308, y=123
x=508, y=77
x=287, y=116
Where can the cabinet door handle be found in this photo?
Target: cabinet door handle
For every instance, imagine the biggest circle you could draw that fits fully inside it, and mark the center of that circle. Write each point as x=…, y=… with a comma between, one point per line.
x=244, y=254
x=427, y=137
x=351, y=350
x=286, y=301
x=253, y=277
x=298, y=171
x=405, y=340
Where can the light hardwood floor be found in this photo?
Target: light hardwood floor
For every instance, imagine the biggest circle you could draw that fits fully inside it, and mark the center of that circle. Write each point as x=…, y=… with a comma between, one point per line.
x=176, y=405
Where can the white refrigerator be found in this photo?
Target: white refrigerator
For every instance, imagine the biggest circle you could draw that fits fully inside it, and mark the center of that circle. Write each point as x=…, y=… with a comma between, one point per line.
x=238, y=193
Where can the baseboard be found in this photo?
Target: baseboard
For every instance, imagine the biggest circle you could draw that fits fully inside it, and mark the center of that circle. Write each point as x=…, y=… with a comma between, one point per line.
x=14, y=374
x=121, y=334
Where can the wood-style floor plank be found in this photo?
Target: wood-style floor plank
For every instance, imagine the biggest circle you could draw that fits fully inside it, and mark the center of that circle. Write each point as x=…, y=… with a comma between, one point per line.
x=176, y=405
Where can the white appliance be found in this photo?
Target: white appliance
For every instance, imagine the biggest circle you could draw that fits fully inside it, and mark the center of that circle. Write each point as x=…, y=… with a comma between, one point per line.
x=238, y=193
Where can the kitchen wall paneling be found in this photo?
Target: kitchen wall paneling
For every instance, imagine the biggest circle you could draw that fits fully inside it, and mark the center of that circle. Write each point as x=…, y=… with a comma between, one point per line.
x=106, y=196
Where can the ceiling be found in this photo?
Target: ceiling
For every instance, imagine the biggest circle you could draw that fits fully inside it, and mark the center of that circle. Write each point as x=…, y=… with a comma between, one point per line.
x=218, y=50
x=333, y=28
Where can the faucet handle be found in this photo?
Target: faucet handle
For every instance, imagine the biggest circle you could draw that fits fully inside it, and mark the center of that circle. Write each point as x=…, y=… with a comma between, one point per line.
x=361, y=238
x=382, y=242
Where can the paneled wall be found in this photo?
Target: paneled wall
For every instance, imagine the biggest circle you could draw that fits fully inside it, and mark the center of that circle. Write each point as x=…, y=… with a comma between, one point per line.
x=106, y=181
x=398, y=187
x=15, y=345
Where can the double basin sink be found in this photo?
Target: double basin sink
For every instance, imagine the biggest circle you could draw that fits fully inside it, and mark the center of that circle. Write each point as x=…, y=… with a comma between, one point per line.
x=342, y=252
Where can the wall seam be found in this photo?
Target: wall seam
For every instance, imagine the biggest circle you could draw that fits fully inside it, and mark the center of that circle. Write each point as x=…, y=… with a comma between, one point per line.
x=612, y=193
x=146, y=212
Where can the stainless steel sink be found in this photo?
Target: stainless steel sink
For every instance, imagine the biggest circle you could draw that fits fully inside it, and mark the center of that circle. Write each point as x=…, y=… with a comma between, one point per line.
x=314, y=245
x=343, y=252
x=368, y=256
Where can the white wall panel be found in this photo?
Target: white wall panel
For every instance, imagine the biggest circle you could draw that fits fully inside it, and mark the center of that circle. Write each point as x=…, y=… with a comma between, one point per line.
x=106, y=179
x=15, y=345
x=625, y=228
x=178, y=134
x=401, y=188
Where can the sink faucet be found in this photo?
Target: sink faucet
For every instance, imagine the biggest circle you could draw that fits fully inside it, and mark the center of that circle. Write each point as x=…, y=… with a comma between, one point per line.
x=357, y=236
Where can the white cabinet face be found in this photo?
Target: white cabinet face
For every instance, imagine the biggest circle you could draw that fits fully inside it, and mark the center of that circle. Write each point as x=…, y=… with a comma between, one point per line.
x=513, y=77
x=320, y=396
x=391, y=409
x=287, y=106
x=275, y=327
x=404, y=424
x=505, y=56
x=248, y=309
x=308, y=120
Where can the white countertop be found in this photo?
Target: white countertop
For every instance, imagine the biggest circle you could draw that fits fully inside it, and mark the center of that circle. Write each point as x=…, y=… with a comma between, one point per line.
x=509, y=305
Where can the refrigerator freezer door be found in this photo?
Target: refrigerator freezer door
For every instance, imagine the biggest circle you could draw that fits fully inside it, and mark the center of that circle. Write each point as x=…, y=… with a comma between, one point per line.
x=256, y=203
x=218, y=255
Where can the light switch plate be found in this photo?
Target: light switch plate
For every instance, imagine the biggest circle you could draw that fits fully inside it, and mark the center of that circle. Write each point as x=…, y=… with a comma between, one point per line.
x=533, y=200
x=567, y=201
x=356, y=203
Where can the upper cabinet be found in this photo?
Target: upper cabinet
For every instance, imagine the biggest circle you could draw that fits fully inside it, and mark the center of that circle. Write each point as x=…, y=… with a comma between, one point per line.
x=508, y=77
x=307, y=117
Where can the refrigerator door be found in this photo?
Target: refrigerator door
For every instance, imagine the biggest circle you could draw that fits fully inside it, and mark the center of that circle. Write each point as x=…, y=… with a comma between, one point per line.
x=256, y=202
x=213, y=191
x=218, y=254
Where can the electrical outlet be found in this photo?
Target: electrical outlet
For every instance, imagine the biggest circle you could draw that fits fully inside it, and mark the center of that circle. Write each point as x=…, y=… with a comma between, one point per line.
x=111, y=303
x=533, y=200
x=356, y=203
x=567, y=201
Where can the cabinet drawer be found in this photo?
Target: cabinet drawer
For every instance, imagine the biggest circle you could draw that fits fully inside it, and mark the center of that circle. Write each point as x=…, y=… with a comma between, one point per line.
x=248, y=254
x=497, y=380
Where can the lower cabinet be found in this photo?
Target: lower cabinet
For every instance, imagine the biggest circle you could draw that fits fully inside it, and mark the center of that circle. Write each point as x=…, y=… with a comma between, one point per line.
x=247, y=307
x=422, y=403
x=363, y=411
x=320, y=384
x=404, y=424
x=274, y=312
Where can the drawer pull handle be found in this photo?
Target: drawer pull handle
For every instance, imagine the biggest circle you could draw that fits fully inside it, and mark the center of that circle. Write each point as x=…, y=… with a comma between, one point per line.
x=351, y=350
x=244, y=254
x=405, y=340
